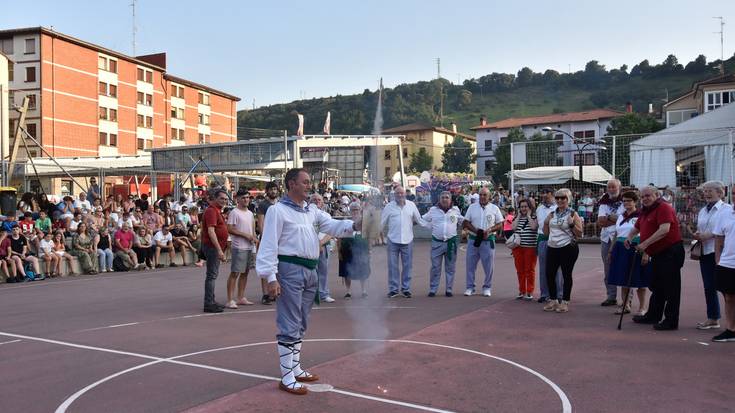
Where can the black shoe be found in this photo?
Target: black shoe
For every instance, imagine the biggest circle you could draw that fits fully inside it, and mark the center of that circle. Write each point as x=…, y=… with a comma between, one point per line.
x=432, y=294
x=392, y=294
x=609, y=302
x=449, y=294
x=407, y=294
x=213, y=309
x=641, y=319
x=266, y=300
x=219, y=305
x=665, y=326
x=348, y=296
x=727, y=335
x=173, y=265
x=10, y=280
x=542, y=300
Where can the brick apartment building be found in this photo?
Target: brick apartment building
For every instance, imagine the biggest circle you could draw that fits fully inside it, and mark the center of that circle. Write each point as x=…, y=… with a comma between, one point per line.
x=89, y=101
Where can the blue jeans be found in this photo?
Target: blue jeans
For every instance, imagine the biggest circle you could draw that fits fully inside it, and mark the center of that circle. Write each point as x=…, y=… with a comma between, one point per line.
x=104, y=256
x=210, y=254
x=406, y=253
x=707, y=266
x=483, y=253
x=612, y=290
x=322, y=271
x=542, y=281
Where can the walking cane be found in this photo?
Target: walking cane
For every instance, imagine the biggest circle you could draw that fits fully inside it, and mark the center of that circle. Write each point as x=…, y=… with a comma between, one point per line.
x=627, y=295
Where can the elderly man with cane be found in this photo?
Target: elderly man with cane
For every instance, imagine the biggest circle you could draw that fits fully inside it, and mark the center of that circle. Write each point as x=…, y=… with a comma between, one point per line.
x=443, y=220
x=288, y=258
x=661, y=240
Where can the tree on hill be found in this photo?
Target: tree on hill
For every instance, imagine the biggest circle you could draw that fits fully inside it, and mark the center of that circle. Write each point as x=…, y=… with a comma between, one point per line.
x=421, y=161
x=458, y=156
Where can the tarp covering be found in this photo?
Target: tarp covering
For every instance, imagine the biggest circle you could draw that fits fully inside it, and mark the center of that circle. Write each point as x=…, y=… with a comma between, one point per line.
x=555, y=175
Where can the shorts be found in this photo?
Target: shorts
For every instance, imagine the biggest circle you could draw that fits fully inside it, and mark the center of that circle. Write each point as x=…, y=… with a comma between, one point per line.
x=166, y=249
x=725, y=279
x=240, y=260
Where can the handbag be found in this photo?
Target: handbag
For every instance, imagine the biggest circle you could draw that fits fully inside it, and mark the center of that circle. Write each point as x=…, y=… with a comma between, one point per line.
x=695, y=252
x=514, y=241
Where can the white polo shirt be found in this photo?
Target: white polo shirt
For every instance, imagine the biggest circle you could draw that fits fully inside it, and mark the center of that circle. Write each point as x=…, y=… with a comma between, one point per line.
x=483, y=218
x=725, y=226
x=443, y=225
x=542, y=212
x=706, y=222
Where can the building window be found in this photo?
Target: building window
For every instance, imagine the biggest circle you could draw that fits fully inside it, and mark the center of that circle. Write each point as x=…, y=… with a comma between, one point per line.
x=387, y=171
x=675, y=117
x=108, y=114
x=30, y=74
x=177, y=91
x=584, y=134
x=67, y=187
x=103, y=138
x=149, y=122
x=488, y=144
x=203, y=119
x=405, y=152
x=145, y=75
x=559, y=139
x=145, y=99
x=31, y=101
x=11, y=99
x=204, y=138
x=113, y=115
x=112, y=65
x=143, y=144
x=177, y=134
x=107, y=64
x=112, y=91
x=587, y=158
x=108, y=139
x=31, y=129
x=589, y=134
x=387, y=154
x=11, y=71
x=30, y=46
x=107, y=89
x=177, y=113
x=113, y=139
x=203, y=99
x=502, y=140
x=6, y=45
x=716, y=99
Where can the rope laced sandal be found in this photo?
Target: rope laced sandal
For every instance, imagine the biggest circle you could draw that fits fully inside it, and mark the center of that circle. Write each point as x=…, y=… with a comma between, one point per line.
x=288, y=382
x=300, y=374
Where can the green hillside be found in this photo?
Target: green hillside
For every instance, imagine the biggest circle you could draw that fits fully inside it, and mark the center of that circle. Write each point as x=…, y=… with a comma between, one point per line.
x=497, y=95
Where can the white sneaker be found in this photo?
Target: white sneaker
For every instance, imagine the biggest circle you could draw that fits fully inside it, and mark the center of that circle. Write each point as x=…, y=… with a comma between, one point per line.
x=468, y=292
x=103, y=270
x=486, y=292
x=329, y=300
x=231, y=304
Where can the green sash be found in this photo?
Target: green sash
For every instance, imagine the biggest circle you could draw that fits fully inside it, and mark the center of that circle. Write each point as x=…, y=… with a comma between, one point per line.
x=451, y=246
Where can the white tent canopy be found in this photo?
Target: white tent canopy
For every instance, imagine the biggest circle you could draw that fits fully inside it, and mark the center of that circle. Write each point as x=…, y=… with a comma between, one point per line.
x=653, y=158
x=555, y=175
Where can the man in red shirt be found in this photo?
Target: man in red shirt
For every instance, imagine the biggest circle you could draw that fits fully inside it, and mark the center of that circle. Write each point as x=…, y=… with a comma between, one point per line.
x=661, y=241
x=124, y=247
x=214, y=242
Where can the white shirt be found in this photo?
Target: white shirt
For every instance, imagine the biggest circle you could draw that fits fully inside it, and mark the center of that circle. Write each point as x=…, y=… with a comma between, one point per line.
x=541, y=213
x=484, y=218
x=162, y=240
x=606, y=233
x=725, y=226
x=706, y=222
x=560, y=229
x=400, y=221
x=443, y=224
x=130, y=221
x=291, y=232
x=83, y=205
x=46, y=247
x=623, y=229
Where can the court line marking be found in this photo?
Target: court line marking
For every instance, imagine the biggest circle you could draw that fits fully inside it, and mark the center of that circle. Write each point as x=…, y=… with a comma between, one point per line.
x=8, y=342
x=87, y=278
x=226, y=313
x=566, y=404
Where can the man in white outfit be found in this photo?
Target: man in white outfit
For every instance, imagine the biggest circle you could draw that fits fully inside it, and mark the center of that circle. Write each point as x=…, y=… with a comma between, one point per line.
x=482, y=219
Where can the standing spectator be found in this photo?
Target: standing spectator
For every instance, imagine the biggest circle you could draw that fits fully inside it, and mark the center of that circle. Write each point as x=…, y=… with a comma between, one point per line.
x=400, y=215
x=524, y=256
x=163, y=241
x=545, y=208
x=713, y=213
x=508, y=223
x=323, y=269
x=725, y=272
x=483, y=219
x=93, y=192
x=354, y=257
x=104, y=250
x=271, y=197
x=46, y=252
x=660, y=240
x=214, y=242
x=562, y=227
x=443, y=220
x=620, y=258
x=124, y=243
x=19, y=248
x=142, y=246
x=241, y=227
x=611, y=207
x=83, y=249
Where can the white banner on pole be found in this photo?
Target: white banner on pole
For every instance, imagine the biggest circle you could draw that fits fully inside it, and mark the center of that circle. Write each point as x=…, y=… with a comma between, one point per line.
x=519, y=153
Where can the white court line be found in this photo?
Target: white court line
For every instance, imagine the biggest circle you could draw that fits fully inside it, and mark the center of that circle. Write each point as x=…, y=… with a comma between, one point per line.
x=86, y=279
x=8, y=342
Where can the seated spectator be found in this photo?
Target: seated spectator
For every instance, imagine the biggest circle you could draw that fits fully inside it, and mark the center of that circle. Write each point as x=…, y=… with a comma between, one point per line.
x=194, y=215
x=126, y=219
x=46, y=252
x=98, y=219
x=66, y=206
x=181, y=241
x=124, y=240
x=8, y=261
x=74, y=223
x=82, y=204
x=142, y=203
x=129, y=204
x=104, y=250
x=195, y=239
x=183, y=217
x=83, y=249
x=163, y=241
x=19, y=248
x=60, y=250
x=178, y=205
x=142, y=246
x=152, y=220
x=43, y=222
x=26, y=224
x=9, y=223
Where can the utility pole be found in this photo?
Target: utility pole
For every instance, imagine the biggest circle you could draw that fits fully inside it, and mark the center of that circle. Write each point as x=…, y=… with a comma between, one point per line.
x=722, y=43
x=441, y=90
x=135, y=28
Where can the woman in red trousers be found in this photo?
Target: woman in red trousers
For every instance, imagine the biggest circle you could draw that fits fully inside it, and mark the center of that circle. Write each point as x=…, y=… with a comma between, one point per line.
x=526, y=226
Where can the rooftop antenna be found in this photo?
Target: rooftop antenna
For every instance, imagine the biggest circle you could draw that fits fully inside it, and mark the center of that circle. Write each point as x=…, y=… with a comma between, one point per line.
x=722, y=43
x=135, y=28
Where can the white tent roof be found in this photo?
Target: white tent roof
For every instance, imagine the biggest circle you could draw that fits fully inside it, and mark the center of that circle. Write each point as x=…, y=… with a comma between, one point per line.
x=711, y=128
x=89, y=165
x=555, y=175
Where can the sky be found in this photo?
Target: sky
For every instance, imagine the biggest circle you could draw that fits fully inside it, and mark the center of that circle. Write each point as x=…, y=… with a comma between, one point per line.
x=269, y=52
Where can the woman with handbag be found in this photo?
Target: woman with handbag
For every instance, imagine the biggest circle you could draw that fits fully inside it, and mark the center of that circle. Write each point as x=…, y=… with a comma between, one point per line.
x=523, y=243
x=704, y=248
x=562, y=227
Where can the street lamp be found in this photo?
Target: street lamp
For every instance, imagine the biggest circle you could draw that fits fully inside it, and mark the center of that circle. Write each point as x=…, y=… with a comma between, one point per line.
x=580, y=149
